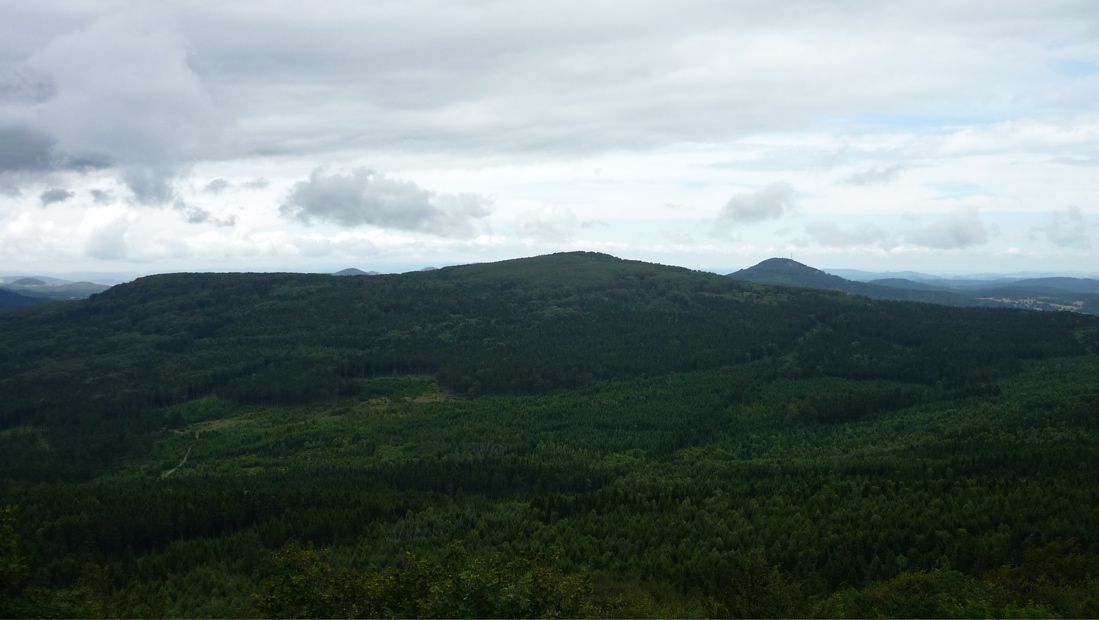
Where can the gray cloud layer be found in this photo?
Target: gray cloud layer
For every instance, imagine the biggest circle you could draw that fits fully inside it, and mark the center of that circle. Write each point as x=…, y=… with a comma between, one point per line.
x=55, y=195
x=961, y=228
x=877, y=175
x=206, y=81
x=364, y=196
x=1066, y=229
x=829, y=234
x=216, y=186
x=767, y=203
x=23, y=148
x=115, y=91
x=197, y=215
x=547, y=224
x=101, y=197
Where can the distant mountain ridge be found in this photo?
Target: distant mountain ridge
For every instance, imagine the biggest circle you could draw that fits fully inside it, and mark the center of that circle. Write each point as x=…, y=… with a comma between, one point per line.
x=52, y=289
x=1052, y=293
x=905, y=283
x=787, y=272
x=352, y=271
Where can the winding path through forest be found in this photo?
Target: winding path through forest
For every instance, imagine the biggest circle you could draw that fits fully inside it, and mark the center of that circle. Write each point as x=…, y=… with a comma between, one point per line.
x=172, y=470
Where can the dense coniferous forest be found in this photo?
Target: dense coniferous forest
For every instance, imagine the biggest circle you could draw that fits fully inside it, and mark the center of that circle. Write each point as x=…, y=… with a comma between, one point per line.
x=571, y=435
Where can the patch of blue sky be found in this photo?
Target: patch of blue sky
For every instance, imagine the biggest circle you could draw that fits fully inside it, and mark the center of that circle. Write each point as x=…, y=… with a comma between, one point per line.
x=933, y=122
x=939, y=120
x=1076, y=68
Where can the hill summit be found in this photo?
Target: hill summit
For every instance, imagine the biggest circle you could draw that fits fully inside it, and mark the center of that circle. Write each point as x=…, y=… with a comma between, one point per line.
x=1051, y=294
x=352, y=271
x=788, y=272
x=29, y=282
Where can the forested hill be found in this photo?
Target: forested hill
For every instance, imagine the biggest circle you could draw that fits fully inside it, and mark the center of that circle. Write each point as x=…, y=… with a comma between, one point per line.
x=520, y=326
x=11, y=299
x=607, y=438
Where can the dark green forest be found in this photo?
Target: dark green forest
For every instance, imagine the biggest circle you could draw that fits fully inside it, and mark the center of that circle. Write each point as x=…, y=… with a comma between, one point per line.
x=571, y=435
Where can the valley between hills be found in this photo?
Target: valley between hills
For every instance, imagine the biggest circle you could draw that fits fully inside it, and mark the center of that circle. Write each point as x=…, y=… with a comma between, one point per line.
x=571, y=435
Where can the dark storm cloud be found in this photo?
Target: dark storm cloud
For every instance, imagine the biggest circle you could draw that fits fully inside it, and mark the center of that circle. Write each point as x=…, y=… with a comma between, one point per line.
x=151, y=186
x=364, y=196
x=55, y=195
x=21, y=85
x=108, y=87
x=231, y=80
x=25, y=149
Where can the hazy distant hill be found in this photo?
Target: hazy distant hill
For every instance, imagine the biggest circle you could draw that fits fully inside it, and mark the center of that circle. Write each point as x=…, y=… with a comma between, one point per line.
x=351, y=271
x=520, y=326
x=1059, y=293
x=786, y=272
x=906, y=283
x=41, y=279
x=52, y=289
x=1068, y=285
x=1050, y=294
x=859, y=275
x=1040, y=285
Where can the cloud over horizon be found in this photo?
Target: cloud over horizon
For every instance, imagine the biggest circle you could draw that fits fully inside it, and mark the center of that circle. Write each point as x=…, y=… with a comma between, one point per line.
x=273, y=121
x=961, y=228
x=55, y=195
x=549, y=223
x=1066, y=228
x=767, y=203
x=364, y=196
x=829, y=234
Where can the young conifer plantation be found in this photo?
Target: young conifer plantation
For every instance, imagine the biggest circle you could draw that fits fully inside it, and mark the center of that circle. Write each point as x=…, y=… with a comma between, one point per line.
x=571, y=435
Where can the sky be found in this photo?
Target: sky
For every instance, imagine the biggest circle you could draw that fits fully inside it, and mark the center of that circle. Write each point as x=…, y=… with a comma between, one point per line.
x=942, y=136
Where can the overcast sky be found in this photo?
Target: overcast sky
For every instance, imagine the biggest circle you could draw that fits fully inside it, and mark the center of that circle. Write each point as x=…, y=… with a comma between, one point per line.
x=932, y=135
